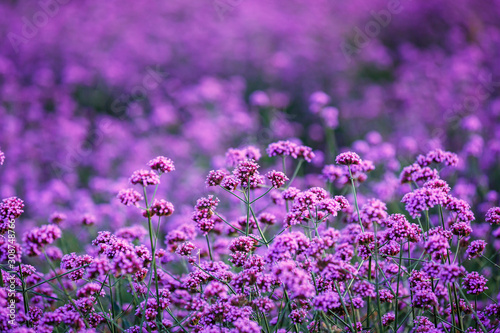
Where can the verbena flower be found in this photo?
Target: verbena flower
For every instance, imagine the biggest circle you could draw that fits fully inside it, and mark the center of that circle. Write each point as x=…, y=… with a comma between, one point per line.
x=475, y=249
x=493, y=216
x=11, y=208
x=348, y=158
x=161, y=164
x=144, y=178
x=277, y=178
x=129, y=197
x=474, y=283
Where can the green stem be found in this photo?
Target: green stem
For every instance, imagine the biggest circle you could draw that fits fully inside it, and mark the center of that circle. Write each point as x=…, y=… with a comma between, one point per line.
x=355, y=199
x=209, y=249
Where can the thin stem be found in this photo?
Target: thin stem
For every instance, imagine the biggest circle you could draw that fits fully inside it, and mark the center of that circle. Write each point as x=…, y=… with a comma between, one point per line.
x=355, y=199
x=209, y=249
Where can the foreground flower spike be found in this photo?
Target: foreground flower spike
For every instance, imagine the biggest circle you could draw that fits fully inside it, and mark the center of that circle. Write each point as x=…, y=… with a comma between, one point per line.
x=348, y=158
x=493, y=216
x=129, y=197
x=288, y=148
x=11, y=208
x=2, y=157
x=475, y=249
x=438, y=156
x=215, y=177
x=269, y=261
x=388, y=318
x=144, y=178
x=162, y=164
x=236, y=156
x=474, y=283
x=162, y=208
x=36, y=239
x=277, y=178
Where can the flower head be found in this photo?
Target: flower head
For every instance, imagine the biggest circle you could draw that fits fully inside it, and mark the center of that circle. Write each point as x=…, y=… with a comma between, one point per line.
x=215, y=177
x=474, y=283
x=277, y=178
x=161, y=164
x=11, y=208
x=493, y=216
x=348, y=158
x=162, y=208
x=129, y=197
x=37, y=238
x=144, y=178
x=475, y=249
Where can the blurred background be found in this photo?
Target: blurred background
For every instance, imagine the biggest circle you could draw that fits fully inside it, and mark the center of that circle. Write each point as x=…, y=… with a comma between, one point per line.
x=92, y=90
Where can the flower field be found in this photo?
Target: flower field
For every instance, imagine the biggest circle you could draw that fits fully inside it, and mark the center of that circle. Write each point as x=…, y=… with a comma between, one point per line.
x=241, y=166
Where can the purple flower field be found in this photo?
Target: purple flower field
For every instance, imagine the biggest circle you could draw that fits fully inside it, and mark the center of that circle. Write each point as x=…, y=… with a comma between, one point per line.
x=237, y=166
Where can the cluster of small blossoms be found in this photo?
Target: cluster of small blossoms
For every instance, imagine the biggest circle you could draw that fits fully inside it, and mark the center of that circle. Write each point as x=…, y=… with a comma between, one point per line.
x=313, y=204
x=277, y=178
x=161, y=164
x=417, y=174
x=433, y=193
x=37, y=239
x=129, y=197
x=72, y=262
x=332, y=265
x=236, y=156
x=438, y=156
x=204, y=215
x=351, y=167
x=288, y=148
x=11, y=208
x=493, y=216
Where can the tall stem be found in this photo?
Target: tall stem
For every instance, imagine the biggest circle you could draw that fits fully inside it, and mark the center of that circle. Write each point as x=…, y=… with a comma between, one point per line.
x=355, y=199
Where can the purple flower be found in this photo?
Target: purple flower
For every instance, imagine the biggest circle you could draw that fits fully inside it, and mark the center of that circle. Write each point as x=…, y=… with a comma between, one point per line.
x=416, y=173
x=474, y=283
x=57, y=218
x=37, y=238
x=129, y=197
x=451, y=272
x=329, y=301
x=386, y=296
x=2, y=157
x=267, y=218
x=72, y=261
x=388, y=318
x=282, y=148
x=161, y=164
x=11, y=208
x=348, y=158
x=475, y=249
x=433, y=193
x=277, y=178
x=317, y=101
x=493, y=216
x=461, y=229
x=290, y=193
x=230, y=183
x=144, y=178
x=243, y=244
x=236, y=156
x=215, y=177
x=332, y=173
x=162, y=208
x=437, y=246
x=207, y=203
x=331, y=206
x=438, y=156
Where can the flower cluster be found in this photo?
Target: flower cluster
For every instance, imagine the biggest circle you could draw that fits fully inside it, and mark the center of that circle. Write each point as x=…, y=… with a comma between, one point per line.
x=338, y=256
